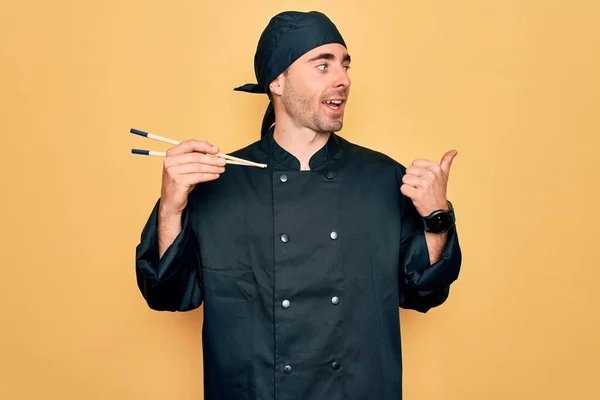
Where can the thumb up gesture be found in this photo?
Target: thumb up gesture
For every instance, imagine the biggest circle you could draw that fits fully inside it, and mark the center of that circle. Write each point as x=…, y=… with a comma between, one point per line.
x=425, y=183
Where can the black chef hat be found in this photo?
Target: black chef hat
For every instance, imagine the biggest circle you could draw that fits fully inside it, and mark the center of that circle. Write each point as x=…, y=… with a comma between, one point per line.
x=287, y=37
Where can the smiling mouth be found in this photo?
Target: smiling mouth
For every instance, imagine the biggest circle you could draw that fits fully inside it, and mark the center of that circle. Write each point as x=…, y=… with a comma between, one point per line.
x=334, y=104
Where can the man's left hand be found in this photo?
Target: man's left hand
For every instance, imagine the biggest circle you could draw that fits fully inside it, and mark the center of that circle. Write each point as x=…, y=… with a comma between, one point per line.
x=425, y=183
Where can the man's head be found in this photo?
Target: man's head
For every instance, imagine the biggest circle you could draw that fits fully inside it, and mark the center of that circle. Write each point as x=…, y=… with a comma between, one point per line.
x=313, y=91
x=301, y=62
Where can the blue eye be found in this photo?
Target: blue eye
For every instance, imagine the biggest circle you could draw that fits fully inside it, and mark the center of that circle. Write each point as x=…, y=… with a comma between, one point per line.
x=323, y=67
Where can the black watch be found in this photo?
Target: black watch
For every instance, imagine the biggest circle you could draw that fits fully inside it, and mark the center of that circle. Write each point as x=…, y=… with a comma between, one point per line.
x=439, y=221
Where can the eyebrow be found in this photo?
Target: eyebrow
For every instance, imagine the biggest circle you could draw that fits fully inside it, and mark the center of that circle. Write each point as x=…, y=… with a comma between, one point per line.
x=329, y=57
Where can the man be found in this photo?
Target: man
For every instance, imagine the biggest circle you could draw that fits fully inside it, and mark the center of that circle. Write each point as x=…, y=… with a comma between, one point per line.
x=301, y=267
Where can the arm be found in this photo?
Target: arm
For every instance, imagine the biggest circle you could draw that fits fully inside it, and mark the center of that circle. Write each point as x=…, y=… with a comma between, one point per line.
x=169, y=227
x=429, y=262
x=425, y=277
x=435, y=245
x=167, y=262
x=168, y=266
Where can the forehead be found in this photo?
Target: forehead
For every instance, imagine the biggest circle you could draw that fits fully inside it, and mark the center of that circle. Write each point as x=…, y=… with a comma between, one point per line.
x=337, y=50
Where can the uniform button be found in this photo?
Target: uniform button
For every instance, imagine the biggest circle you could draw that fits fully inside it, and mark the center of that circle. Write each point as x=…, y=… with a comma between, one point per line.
x=335, y=365
x=330, y=175
x=284, y=238
x=285, y=304
x=287, y=369
x=283, y=178
x=333, y=235
x=335, y=300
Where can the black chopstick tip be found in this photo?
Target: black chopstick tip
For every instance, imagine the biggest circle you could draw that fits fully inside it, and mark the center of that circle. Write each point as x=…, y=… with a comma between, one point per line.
x=142, y=152
x=138, y=132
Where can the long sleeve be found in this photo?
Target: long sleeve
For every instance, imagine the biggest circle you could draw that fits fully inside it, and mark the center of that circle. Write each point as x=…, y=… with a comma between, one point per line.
x=424, y=285
x=173, y=283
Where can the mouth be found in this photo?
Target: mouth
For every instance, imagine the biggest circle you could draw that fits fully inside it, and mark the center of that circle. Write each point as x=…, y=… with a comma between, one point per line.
x=335, y=104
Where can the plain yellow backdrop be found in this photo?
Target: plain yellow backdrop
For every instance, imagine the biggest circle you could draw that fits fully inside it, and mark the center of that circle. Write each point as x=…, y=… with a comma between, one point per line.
x=512, y=85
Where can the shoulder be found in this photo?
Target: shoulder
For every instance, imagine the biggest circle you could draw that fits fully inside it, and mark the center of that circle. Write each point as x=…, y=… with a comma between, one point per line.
x=372, y=159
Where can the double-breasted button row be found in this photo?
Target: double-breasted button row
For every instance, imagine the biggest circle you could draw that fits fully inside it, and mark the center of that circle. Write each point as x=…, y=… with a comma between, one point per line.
x=284, y=178
x=335, y=300
x=286, y=303
x=288, y=368
x=285, y=238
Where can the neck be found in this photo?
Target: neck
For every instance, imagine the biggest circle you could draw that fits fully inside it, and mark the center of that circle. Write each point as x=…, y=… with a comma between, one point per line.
x=302, y=142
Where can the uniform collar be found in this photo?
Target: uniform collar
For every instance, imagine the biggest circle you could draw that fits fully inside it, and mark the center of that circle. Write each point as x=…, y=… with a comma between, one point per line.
x=330, y=152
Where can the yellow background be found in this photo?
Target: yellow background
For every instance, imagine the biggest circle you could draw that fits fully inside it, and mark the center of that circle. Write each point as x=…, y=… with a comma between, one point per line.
x=512, y=85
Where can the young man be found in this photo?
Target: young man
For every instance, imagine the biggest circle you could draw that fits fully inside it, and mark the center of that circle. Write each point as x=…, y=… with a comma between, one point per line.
x=301, y=267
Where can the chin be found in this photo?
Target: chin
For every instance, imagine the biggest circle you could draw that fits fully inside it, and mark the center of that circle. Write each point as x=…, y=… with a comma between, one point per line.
x=330, y=125
x=327, y=122
x=335, y=126
x=327, y=128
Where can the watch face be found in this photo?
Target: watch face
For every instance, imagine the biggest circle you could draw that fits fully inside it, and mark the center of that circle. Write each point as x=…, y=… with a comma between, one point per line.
x=440, y=222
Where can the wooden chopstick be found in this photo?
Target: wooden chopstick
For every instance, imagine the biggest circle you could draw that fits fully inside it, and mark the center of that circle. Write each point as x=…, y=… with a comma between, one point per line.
x=164, y=154
x=228, y=158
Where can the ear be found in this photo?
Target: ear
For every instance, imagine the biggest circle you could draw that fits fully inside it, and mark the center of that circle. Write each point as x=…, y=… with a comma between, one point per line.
x=276, y=87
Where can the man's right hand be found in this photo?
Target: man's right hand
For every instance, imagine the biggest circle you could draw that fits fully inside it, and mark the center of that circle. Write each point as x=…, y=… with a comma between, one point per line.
x=187, y=164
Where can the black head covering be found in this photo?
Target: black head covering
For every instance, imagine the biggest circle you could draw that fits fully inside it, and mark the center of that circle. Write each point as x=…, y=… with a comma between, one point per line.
x=287, y=37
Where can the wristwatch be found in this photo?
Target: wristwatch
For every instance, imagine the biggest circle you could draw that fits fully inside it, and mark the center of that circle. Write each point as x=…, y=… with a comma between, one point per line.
x=440, y=221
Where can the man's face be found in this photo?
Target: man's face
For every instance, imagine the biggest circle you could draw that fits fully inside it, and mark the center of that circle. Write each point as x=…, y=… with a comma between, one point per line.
x=315, y=88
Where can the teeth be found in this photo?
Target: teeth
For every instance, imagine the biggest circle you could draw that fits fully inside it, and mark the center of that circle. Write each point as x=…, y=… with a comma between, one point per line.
x=336, y=102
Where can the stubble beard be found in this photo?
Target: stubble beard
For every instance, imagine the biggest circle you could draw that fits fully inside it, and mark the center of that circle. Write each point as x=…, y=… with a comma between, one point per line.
x=300, y=109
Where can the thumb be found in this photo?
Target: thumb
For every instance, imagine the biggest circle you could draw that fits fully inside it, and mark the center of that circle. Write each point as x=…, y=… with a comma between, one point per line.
x=447, y=161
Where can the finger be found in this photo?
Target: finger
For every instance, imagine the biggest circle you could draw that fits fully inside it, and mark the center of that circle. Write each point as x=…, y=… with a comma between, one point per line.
x=412, y=180
x=414, y=170
x=408, y=191
x=418, y=171
x=194, y=157
x=428, y=165
x=193, y=145
x=192, y=168
x=421, y=162
x=199, y=177
x=447, y=161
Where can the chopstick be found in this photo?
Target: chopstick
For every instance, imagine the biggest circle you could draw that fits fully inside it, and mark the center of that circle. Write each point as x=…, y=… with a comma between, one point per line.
x=164, y=154
x=228, y=158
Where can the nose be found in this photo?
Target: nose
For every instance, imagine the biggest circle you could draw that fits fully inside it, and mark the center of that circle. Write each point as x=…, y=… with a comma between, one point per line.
x=342, y=79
